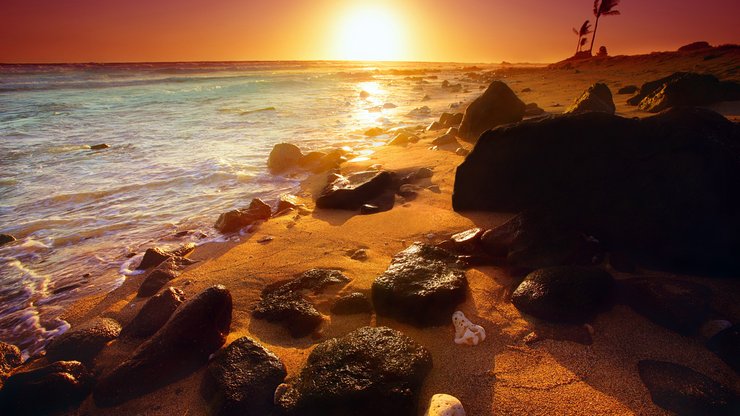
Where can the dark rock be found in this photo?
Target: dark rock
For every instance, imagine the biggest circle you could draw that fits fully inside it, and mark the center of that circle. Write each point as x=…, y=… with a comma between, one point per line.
x=435, y=126
x=684, y=89
x=196, y=330
x=100, y=146
x=621, y=263
x=154, y=314
x=684, y=391
x=498, y=105
x=660, y=189
x=352, y=191
x=444, y=140
x=83, y=343
x=370, y=371
x=153, y=257
x=241, y=380
x=352, y=303
x=629, y=89
x=359, y=254
x=5, y=239
x=450, y=119
x=462, y=152
x=564, y=294
x=675, y=304
x=534, y=239
x=283, y=302
x=695, y=46
x=726, y=344
x=424, y=173
x=156, y=280
x=237, y=219
x=526, y=90
x=10, y=358
x=50, y=389
x=286, y=202
x=422, y=286
x=284, y=156
x=533, y=110
x=596, y=98
x=367, y=209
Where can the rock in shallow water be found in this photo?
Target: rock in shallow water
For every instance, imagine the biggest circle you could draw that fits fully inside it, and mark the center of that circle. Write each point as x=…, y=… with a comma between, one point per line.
x=422, y=286
x=197, y=329
x=154, y=314
x=283, y=157
x=564, y=294
x=83, y=343
x=370, y=371
x=57, y=386
x=241, y=380
x=237, y=219
x=686, y=392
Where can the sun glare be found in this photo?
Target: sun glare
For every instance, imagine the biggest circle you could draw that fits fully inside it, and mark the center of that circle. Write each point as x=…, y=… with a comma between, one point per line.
x=370, y=34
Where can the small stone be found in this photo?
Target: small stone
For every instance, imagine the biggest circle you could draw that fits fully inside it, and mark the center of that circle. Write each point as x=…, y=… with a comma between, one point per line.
x=352, y=303
x=100, y=146
x=443, y=140
x=5, y=239
x=153, y=257
x=445, y=405
x=359, y=254
x=467, y=332
x=10, y=358
x=265, y=239
x=375, y=131
x=629, y=89
x=424, y=173
x=364, y=94
x=408, y=190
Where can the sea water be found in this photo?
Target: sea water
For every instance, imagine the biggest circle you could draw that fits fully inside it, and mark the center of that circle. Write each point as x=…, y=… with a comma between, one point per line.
x=187, y=142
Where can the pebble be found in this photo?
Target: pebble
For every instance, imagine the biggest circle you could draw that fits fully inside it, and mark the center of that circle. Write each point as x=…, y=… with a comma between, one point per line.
x=445, y=405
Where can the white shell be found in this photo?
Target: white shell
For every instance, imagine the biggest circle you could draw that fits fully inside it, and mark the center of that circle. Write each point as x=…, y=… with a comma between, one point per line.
x=467, y=332
x=445, y=405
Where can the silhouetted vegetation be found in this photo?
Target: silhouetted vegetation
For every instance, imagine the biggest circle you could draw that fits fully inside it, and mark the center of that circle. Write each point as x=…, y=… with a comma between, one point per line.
x=582, y=34
x=602, y=8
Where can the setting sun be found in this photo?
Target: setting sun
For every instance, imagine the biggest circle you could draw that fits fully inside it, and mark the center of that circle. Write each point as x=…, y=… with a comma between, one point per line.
x=370, y=34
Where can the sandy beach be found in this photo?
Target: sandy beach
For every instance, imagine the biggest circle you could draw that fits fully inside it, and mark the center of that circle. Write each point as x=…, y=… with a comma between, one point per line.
x=504, y=374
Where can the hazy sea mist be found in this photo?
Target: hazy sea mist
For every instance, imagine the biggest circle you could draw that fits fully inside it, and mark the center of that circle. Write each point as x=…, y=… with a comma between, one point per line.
x=188, y=141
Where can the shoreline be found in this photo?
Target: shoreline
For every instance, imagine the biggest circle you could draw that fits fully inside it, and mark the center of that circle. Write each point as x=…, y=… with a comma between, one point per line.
x=502, y=375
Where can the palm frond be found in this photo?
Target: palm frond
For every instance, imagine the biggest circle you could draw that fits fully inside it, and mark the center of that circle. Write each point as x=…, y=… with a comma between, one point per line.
x=583, y=41
x=607, y=7
x=611, y=13
x=585, y=28
x=575, y=32
x=596, y=7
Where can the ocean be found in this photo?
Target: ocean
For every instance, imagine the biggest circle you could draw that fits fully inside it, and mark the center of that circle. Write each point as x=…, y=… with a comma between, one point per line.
x=187, y=142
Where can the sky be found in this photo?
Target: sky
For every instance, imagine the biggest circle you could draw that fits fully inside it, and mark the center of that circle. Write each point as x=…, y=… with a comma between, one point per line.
x=44, y=31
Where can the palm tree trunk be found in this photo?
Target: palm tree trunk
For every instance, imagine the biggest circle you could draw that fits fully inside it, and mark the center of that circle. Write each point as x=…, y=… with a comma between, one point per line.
x=578, y=48
x=593, y=37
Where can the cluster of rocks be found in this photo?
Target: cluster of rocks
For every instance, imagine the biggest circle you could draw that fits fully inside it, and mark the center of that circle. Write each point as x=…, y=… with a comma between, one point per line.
x=257, y=211
x=285, y=157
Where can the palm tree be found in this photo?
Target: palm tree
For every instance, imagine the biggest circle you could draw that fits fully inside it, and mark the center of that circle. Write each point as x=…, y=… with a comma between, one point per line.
x=602, y=8
x=584, y=31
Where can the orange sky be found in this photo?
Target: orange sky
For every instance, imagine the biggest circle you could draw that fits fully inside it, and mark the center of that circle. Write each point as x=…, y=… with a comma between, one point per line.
x=421, y=30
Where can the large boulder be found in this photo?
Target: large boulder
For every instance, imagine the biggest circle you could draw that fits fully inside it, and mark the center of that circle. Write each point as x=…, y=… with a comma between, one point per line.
x=684, y=89
x=726, y=344
x=370, y=371
x=241, y=380
x=237, y=219
x=684, y=391
x=84, y=342
x=679, y=305
x=422, y=286
x=283, y=302
x=154, y=314
x=661, y=189
x=46, y=390
x=564, y=294
x=597, y=97
x=284, y=156
x=197, y=329
x=352, y=191
x=498, y=105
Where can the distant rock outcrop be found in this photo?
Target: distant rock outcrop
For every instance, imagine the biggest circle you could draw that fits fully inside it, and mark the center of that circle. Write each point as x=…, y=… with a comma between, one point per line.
x=695, y=46
x=662, y=189
x=498, y=105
